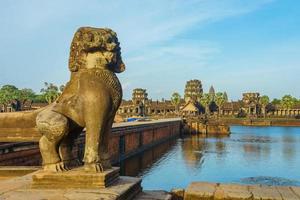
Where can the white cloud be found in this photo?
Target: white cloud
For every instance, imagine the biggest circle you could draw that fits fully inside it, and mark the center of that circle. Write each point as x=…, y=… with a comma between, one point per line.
x=149, y=32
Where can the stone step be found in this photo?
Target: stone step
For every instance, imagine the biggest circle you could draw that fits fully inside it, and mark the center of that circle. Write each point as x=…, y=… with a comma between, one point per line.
x=154, y=195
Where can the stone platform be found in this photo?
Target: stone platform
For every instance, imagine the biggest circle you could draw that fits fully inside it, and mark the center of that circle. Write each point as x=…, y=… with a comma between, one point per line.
x=220, y=191
x=25, y=187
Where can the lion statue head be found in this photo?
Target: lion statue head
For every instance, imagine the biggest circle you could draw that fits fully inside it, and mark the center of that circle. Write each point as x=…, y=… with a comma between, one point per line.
x=97, y=46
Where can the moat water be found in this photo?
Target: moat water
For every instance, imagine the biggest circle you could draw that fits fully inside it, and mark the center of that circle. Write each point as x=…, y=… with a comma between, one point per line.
x=250, y=155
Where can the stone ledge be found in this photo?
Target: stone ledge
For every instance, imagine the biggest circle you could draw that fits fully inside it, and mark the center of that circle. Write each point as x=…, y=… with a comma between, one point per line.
x=16, y=171
x=217, y=191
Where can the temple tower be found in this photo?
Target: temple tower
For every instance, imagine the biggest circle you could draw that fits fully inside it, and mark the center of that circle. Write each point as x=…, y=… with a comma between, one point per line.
x=193, y=90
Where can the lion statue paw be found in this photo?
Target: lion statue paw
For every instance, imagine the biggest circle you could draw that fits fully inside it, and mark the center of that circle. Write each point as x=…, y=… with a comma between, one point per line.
x=56, y=167
x=93, y=167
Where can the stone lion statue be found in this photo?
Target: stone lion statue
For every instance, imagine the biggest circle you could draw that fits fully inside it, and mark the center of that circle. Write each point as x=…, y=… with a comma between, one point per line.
x=90, y=100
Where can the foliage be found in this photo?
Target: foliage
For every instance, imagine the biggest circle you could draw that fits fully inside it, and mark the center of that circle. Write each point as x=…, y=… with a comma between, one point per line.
x=50, y=92
x=276, y=101
x=175, y=100
x=26, y=94
x=39, y=98
x=264, y=101
x=287, y=101
x=8, y=93
x=220, y=99
x=205, y=101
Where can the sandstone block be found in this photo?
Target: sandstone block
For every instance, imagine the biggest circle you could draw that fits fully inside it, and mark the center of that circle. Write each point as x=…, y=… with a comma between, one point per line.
x=200, y=190
x=296, y=190
x=232, y=192
x=261, y=192
x=287, y=193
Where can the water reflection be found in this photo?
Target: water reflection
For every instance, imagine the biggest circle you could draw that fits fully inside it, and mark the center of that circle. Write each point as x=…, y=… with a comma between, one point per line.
x=255, y=152
x=193, y=151
x=141, y=163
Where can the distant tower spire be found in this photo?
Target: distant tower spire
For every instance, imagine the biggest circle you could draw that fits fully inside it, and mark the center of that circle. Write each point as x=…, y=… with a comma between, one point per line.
x=225, y=97
x=211, y=93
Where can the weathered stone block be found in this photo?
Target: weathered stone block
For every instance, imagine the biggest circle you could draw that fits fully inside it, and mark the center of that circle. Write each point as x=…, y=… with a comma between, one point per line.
x=154, y=195
x=264, y=192
x=296, y=190
x=200, y=190
x=232, y=192
x=287, y=193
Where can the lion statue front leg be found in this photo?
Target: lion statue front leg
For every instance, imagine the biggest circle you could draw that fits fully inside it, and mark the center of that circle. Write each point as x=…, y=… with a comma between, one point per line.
x=53, y=127
x=98, y=120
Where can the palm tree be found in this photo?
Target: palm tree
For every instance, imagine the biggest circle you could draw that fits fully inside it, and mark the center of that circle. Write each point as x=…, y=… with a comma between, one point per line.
x=205, y=101
x=175, y=100
x=264, y=101
x=50, y=92
x=220, y=100
x=287, y=102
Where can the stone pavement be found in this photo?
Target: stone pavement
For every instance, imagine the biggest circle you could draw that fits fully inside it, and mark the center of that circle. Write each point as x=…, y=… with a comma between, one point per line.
x=216, y=191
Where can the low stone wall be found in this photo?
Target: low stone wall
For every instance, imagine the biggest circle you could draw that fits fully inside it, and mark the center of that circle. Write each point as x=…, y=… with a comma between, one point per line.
x=217, y=191
x=127, y=139
x=261, y=122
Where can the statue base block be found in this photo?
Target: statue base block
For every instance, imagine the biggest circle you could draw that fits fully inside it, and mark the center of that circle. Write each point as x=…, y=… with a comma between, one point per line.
x=71, y=188
x=75, y=178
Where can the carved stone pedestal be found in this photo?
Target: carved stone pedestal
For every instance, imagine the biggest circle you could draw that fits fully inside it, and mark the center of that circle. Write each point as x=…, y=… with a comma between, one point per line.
x=76, y=178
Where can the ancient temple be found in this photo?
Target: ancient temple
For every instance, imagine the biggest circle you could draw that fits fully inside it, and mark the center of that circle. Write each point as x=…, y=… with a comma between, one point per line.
x=140, y=105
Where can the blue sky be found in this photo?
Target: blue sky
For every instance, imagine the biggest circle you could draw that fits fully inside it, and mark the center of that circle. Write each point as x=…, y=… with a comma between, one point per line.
x=234, y=45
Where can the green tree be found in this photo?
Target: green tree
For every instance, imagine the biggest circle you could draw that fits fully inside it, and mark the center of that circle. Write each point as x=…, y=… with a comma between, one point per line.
x=220, y=100
x=276, y=102
x=175, y=100
x=287, y=102
x=8, y=93
x=26, y=94
x=50, y=92
x=205, y=101
x=39, y=98
x=264, y=101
